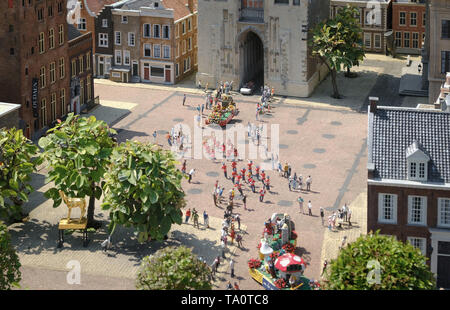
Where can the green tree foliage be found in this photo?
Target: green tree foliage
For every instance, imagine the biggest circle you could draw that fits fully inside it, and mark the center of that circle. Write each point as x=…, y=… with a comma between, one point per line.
x=354, y=35
x=10, y=274
x=143, y=190
x=401, y=266
x=78, y=152
x=335, y=43
x=17, y=163
x=173, y=268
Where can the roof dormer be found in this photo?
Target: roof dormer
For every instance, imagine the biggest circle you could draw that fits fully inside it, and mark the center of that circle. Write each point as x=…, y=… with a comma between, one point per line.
x=417, y=162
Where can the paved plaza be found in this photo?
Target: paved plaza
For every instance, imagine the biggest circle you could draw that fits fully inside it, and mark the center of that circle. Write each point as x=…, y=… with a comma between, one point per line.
x=319, y=136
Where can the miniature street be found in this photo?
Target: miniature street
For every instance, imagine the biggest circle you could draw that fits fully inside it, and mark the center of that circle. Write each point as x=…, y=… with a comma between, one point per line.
x=319, y=137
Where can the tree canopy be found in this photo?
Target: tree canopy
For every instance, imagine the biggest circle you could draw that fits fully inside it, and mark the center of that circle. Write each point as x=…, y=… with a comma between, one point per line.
x=18, y=161
x=10, y=274
x=375, y=262
x=173, y=268
x=143, y=189
x=78, y=152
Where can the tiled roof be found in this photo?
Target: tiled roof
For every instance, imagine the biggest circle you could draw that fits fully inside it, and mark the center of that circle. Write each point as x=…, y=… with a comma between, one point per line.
x=95, y=6
x=180, y=8
x=73, y=32
x=393, y=130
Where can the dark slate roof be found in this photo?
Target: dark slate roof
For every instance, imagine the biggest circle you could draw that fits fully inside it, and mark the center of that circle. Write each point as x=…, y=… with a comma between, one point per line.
x=73, y=32
x=393, y=130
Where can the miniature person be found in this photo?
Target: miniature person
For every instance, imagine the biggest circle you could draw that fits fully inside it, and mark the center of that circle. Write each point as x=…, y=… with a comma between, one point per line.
x=261, y=195
x=224, y=168
x=244, y=201
x=322, y=214
x=191, y=173
x=239, y=240
x=183, y=168
x=232, y=267
x=310, y=208
x=195, y=217
x=188, y=215
x=300, y=204
x=236, y=286
x=206, y=219
x=308, y=183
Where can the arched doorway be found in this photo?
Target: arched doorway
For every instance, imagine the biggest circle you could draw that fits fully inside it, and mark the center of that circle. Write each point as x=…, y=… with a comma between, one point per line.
x=252, y=60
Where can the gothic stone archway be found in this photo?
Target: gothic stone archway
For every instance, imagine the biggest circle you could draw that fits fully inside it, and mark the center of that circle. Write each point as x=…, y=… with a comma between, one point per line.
x=251, y=58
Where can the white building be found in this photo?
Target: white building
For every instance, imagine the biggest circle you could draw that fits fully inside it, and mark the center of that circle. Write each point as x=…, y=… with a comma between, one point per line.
x=264, y=41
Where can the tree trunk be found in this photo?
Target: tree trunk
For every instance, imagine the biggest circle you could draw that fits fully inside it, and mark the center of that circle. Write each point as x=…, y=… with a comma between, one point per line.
x=91, y=223
x=334, y=82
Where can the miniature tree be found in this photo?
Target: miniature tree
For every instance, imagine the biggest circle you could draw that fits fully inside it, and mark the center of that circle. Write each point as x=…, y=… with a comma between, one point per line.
x=143, y=190
x=173, y=268
x=10, y=274
x=77, y=152
x=334, y=42
x=353, y=35
x=17, y=163
x=375, y=262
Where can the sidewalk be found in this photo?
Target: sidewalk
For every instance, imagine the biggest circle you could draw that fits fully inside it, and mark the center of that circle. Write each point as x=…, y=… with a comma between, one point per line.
x=332, y=239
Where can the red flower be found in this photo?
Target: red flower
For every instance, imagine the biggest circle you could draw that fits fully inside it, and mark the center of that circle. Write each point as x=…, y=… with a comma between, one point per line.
x=254, y=263
x=289, y=248
x=280, y=283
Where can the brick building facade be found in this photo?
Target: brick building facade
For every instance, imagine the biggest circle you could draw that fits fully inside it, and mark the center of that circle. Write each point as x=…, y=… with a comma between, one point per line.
x=81, y=70
x=409, y=181
x=409, y=25
x=33, y=61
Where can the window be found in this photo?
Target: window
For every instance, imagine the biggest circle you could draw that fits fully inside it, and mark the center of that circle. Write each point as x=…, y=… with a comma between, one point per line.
x=189, y=44
x=184, y=47
x=62, y=71
x=156, y=50
x=50, y=11
x=387, y=208
x=413, y=19
x=82, y=24
x=81, y=60
x=166, y=32
x=62, y=100
x=53, y=107
x=402, y=20
x=157, y=71
x=177, y=30
x=51, y=38
x=189, y=24
x=419, y=243
x=131, y=39
x=368, y=40
x=177, y=52
x=146, y=33
x=156, y=29
x=103, y=40
x=183, y=27
x=41, y=43
x=166, y=51
x=82, y=92
x=398, y=39
x=187, y=64
x=11, y=51
x=88, y=60
x=445, y=33
x=60, y=7
x=445, y=61
x=412, y=170
x=417, y=210
x=147, y=50
x=74, y=68
x=424, y=19
x=104, y=23
x=296, y=2
x=377, y=41
x=415, y=40
x=443, y=212
x=118, y=38
x=89, y=87
x=43, y=112
x=177, y=69
x=42, y=76
x=61, y=34
x=126, y=57
x=52, y=72
x=40, y=14
x=118, y=57
x=281, y=1
x=124, y=19
x=406, y=39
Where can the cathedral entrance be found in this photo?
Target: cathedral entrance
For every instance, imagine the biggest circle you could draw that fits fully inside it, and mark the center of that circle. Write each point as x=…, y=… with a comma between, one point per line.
x=251, y=61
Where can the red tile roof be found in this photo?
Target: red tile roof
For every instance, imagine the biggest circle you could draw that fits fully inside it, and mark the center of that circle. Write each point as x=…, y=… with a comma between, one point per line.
x=95, y=6
x=180, y=8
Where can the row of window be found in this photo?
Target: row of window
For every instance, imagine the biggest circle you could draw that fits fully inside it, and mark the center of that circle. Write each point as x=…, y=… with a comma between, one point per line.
x=294, y=2
x=52, y=72
x=371, y=17
x=370, y=42
x=186, y=66
x=408, y=39
x=84, y=61
x=40, y=11
x=43, y=119
x=417, y=210
x=158, y=31
x=412, y=19
x=51, y=39
x=156, y=51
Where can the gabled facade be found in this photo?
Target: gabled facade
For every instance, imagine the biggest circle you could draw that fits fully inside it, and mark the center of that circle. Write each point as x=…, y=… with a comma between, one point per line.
x=409, y=180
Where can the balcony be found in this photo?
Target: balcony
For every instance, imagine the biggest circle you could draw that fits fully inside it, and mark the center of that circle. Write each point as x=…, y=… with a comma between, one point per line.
x=252, y=15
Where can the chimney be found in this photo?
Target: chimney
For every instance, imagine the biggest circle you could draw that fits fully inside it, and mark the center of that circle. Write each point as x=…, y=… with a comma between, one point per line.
x=190, y=6
x=373, y=104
